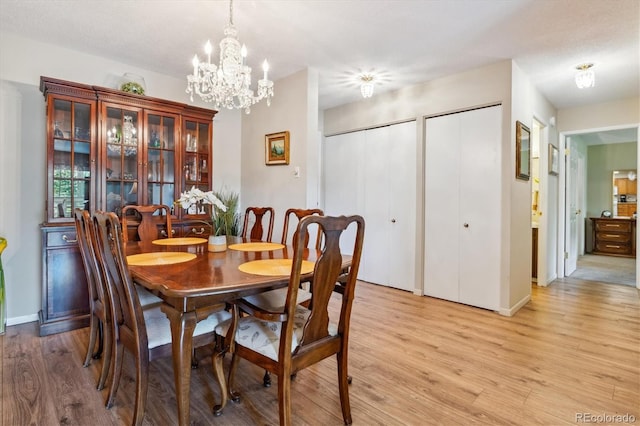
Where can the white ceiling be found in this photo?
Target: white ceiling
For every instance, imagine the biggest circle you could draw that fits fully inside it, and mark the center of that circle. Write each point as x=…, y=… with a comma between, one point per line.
x=404, y=42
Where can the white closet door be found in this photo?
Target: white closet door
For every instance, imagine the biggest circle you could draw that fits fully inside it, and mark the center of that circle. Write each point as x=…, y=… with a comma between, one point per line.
x=376, y=196
x=442, y=206
x=462, y=207
x=480, y=195
x=373, y=173
x=342, y=158
x=402, y=205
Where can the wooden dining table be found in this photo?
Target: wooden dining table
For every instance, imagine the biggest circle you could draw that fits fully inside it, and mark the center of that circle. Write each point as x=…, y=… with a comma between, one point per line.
x=191, y=290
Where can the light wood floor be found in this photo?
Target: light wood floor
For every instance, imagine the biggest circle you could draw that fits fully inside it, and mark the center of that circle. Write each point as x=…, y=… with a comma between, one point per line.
x=415, y=361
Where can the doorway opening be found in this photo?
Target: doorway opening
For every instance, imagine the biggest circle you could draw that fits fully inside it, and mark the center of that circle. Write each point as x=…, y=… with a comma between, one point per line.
x=594, y=199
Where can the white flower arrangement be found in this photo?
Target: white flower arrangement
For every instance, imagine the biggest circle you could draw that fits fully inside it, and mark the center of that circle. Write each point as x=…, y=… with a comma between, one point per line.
x=197, y=197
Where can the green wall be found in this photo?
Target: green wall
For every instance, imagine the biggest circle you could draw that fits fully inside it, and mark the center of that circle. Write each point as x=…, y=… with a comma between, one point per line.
x=602, y=160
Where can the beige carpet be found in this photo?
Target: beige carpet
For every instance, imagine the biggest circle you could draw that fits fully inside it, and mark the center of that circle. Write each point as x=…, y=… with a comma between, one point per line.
x=607, y=269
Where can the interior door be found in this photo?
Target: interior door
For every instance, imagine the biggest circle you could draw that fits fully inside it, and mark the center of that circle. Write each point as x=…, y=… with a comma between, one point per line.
x=442, y=206
x=376, y=196
x=573, y=212
x=342, y=158
x=402, y=204
x=462, y=207
x=480, y=199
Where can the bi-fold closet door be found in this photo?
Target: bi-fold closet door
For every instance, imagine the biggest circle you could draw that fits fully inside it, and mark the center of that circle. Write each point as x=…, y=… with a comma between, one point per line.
x=462, y=207
x=373, y=173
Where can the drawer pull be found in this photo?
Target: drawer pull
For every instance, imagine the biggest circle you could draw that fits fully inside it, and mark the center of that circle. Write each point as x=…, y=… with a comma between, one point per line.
x=610, y=246
x=164, y=232
x=67, y=240
x=193, y=230
x=612, y=235
x=612, y=225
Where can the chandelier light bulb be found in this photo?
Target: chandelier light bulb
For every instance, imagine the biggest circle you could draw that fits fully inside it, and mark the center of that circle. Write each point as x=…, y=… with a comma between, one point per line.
x=228, y=83
x=585, y=77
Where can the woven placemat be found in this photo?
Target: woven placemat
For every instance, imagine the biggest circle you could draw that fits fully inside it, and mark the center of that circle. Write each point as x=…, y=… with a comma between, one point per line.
x=159, y=258
x=181, y=241
x=274, y=267
x=256, y=246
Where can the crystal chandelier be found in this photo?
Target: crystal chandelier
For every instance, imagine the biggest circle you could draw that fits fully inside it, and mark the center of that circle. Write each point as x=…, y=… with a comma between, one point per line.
x=229, y=83
x=366, y=85
x=585, y=77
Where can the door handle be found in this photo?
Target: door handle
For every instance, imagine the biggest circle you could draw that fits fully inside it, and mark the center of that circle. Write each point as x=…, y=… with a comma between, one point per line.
x=393, y=221
x=466, y=225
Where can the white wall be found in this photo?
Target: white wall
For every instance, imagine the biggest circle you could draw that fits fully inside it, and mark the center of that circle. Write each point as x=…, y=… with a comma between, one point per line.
x=294, y=108
x=621, y=113
x=22, y=139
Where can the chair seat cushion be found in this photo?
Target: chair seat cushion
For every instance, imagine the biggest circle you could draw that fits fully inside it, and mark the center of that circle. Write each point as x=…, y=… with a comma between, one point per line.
x=273, y=300
x=146, y=297
x=159, y=328
x=264, y=336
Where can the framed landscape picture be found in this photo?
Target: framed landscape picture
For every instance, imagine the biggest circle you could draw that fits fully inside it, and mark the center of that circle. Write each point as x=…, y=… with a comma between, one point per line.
x=276, y=148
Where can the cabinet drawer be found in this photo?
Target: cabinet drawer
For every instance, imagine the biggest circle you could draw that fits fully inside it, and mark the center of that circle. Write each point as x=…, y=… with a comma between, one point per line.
x=618, y=226
x=196, y=230
x=61, y=238
x=615, y=237
x=611, y=247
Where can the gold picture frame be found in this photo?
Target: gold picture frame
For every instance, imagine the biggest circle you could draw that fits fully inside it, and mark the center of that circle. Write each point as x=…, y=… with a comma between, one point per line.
x=276, y=148
x=523, y=151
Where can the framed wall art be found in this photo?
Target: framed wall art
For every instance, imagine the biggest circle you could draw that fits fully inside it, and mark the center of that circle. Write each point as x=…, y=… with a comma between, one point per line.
x=276, y=148
x=553, y=160
x=523, y=151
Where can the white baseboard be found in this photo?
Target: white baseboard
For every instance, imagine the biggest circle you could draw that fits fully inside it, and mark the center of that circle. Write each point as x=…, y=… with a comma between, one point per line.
x=22, y=319
x=515, y=308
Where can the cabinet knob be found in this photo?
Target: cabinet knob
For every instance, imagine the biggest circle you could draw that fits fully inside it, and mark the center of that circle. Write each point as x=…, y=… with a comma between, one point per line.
x=466, y=225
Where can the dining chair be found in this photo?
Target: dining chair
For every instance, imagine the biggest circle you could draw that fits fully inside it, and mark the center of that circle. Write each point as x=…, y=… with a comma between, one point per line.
x=257, y=214
x=297, y=215
x=99, y=313
x=151, y=217
x=99, y=316
x=291, y=340
x=146, y=333
x=273, y=300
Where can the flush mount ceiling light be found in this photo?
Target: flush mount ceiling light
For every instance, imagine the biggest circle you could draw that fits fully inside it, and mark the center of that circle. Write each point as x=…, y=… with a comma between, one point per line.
x=366, y=85
x=229, y=83
x=585, y=77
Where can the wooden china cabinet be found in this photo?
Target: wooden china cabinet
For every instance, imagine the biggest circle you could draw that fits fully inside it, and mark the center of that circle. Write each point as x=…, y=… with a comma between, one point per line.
x=107, y=149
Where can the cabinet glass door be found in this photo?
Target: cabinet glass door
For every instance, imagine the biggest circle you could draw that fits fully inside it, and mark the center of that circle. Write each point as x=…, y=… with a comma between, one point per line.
x=161, y=159
x=196, y=143
x=196, y=136
x=72, y=158
x=122, y=160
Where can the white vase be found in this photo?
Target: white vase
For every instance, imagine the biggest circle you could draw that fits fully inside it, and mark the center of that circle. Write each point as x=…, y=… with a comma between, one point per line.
x=217, y=243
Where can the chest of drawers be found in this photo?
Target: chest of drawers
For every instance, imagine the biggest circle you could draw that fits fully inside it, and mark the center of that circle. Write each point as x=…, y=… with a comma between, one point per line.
x=614, y=236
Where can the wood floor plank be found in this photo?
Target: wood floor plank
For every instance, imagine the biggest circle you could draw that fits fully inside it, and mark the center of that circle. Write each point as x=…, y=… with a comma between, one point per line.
x=26, y=396
x=575, y=348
